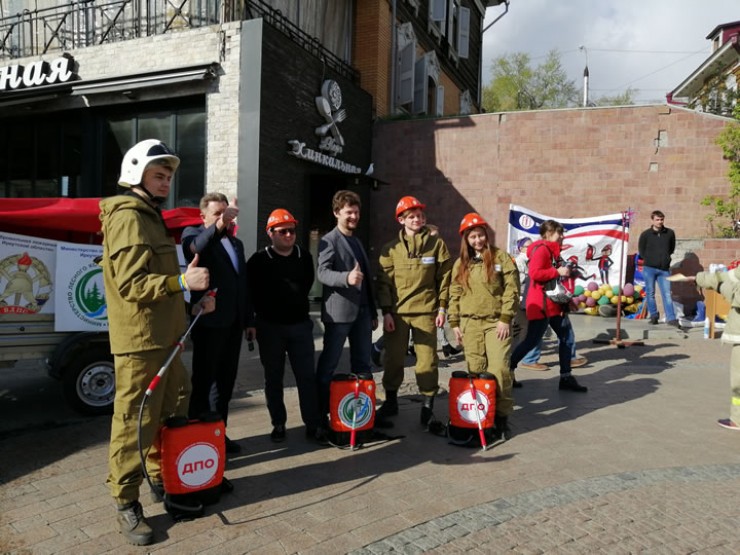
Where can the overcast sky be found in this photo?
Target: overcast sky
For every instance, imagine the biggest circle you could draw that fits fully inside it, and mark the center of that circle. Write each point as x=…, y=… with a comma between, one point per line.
x=649, y=45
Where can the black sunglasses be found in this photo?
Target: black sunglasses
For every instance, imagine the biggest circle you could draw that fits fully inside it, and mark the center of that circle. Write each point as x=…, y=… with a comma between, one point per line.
x=286, y=231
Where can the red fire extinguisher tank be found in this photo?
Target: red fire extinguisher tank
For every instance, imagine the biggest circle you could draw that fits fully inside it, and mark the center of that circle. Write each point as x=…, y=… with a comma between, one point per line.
x=193, y=456
x=346, y=405
x=466, y=409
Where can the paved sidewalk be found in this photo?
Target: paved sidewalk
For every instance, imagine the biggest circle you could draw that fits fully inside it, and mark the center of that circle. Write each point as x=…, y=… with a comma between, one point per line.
x=637, y=464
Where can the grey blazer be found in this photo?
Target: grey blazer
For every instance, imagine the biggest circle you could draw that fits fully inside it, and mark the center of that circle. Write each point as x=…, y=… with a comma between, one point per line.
x=341, y=302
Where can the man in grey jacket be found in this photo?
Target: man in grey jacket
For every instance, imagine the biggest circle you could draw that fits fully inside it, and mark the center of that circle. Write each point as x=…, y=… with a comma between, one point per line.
x=348, y=307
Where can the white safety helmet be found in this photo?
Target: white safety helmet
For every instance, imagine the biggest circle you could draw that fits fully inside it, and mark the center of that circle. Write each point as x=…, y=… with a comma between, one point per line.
x=138, y=158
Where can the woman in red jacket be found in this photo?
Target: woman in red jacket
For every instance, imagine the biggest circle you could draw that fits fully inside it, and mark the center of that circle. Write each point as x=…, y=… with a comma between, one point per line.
x=545, y=264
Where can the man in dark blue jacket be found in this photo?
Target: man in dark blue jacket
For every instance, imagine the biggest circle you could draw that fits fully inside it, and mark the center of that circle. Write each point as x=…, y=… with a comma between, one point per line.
x=217, y=337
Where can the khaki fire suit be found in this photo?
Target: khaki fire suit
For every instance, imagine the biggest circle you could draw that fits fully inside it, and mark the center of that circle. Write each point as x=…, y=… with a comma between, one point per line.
x=413, y=284
x=477, y=309
x=727, y=284
x=146, y=316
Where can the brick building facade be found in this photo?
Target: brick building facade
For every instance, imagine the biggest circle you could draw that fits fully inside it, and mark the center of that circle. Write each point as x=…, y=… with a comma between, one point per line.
x=564, y=163
x=228, y=98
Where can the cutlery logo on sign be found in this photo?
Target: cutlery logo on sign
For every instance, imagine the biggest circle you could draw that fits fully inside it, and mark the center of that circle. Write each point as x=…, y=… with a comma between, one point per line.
x=329, y=106
x=331, y=142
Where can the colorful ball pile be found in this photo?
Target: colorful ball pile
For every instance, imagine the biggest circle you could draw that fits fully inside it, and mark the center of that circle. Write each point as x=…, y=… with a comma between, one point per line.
x=589, y=298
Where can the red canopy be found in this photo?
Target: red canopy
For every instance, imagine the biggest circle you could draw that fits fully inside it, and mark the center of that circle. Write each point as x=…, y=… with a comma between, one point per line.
x=72, y=219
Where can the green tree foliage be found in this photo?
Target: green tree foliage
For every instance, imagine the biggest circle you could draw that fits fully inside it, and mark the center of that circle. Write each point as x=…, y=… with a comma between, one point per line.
x=727, y=208
x=516, y=85
x=715, y=97
x=627, y=98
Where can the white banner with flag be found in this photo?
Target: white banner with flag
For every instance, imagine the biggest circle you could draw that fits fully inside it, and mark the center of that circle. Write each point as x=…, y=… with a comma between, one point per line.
x=593, y=246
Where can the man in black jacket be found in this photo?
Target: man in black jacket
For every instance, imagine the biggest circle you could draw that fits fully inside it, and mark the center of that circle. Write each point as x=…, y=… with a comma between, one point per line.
x=656, y=245
x=217, y=337
x=280, y=277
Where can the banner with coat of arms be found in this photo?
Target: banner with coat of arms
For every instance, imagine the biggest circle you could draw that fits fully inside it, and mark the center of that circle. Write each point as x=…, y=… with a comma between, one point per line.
x=41, y=276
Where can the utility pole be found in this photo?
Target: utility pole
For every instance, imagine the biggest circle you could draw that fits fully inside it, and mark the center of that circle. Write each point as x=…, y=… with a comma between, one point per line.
x=585, y=77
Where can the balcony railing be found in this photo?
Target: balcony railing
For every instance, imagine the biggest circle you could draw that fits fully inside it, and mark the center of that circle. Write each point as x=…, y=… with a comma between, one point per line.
x=84, y=23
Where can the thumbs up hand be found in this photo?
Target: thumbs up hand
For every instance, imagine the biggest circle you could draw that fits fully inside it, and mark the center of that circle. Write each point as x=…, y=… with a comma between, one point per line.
x=196, y=278
x=355, y=276
x=230, y=214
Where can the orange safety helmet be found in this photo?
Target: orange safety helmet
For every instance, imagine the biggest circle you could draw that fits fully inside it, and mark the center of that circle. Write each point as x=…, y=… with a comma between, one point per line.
x=407, y=203
x=280, y=216
x=470, y=221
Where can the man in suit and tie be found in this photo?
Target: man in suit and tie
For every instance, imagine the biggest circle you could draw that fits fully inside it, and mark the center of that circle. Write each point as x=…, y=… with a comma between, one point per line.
x=348, y=307
x=217, y=337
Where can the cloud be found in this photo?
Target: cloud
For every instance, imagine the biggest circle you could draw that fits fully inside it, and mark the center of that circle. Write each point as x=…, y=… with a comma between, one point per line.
x=611, y=33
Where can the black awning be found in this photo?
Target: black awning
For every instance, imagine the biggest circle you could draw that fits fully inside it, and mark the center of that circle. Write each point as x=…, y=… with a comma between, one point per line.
x=124, y=83
x=121, y=83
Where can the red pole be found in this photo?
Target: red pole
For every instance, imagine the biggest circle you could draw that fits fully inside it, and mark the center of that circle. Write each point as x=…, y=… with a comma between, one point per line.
x=621, y=267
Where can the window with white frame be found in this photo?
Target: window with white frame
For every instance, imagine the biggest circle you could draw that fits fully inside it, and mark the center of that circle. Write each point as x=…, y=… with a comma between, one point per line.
x=405, y=59
x=463, y=33
x=466, y=103
x=450, y=20
x=437, y=18
x=452, y=30
x=428, y=95
x=440, y=108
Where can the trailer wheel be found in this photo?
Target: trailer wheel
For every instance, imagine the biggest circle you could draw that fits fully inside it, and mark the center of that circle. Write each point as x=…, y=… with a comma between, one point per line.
x=90, y=383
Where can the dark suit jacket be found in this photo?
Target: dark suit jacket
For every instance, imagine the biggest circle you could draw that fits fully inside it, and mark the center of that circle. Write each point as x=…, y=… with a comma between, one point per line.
x=232, y=302
x=341, y=302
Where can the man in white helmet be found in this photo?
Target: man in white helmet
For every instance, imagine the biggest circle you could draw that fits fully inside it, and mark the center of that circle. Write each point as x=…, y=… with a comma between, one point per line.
x=146, y=316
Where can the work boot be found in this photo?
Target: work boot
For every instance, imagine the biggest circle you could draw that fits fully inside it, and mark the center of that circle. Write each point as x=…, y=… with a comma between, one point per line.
x=427, y=409
x=501, y=427
x=232, y=447
x=449, y=350
x=132, y=525
x=389, y=406
x=277, y=435
x=569, y=383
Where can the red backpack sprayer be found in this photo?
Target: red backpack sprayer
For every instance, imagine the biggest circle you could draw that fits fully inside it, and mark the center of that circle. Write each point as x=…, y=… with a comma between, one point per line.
x=193, y=452
x=351, y=409
x=472, y=406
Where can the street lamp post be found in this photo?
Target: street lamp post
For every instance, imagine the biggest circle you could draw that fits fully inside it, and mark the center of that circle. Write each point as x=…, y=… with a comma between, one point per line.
x=585, y=76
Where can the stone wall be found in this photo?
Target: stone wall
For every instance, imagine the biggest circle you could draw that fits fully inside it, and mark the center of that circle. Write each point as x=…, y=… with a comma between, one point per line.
x=563, y=163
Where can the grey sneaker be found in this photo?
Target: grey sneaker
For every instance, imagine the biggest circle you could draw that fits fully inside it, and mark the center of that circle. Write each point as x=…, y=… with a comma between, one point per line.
x=132, y=524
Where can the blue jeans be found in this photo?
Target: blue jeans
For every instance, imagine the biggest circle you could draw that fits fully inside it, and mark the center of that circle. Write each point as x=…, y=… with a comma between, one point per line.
x=533, y=356
x=563, y=329
x=360, y=334
x=651, y=275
